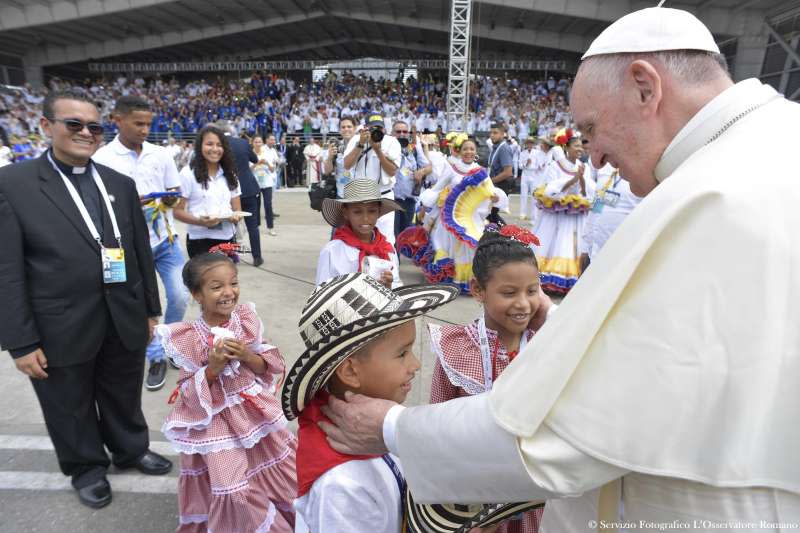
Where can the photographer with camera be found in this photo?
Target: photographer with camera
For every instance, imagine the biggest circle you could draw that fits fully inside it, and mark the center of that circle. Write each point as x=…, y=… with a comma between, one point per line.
x=374, y=155
x=333, y=156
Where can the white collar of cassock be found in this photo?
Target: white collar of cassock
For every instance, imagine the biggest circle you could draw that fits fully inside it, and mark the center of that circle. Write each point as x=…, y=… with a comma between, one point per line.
x=711, y=121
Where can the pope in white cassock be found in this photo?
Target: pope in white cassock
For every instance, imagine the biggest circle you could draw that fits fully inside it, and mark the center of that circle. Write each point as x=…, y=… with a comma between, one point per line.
x=669, y=378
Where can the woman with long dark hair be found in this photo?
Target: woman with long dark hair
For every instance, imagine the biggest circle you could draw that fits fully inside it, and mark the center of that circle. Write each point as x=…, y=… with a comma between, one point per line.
x=210, y=193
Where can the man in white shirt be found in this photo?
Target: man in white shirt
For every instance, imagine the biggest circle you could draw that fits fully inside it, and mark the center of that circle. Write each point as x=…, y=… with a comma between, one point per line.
x=664, y=387
x=5, y=154
x=527, y=164
x=313, y=156
x=613, y=202
x=377, y=160
x=173, y=149
x=153, y=169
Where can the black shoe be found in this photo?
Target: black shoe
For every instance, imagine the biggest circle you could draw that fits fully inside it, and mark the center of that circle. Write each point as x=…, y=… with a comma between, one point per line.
x=172, y=363
x=258, y=261
x=157, y=375
x=96, y=495
x=151, y=464
x=276, y=215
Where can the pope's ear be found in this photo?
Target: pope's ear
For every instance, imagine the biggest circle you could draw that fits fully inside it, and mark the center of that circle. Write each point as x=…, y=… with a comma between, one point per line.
x=647, y=82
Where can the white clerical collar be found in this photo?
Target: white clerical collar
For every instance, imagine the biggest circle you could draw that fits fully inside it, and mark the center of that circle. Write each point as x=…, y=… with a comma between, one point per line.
x=68, y=169
x=711, y=121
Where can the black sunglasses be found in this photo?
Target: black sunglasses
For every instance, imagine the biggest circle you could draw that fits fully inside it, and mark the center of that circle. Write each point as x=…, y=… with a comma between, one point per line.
x=74, y=125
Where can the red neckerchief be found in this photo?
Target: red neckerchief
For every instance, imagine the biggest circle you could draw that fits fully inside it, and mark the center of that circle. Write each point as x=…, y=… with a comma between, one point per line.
x=379, y=246
x=314, y=455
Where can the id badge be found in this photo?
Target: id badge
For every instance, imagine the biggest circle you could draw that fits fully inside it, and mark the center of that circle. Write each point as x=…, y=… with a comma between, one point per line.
x=113, y=265
x=610, y=198
x=598, y=205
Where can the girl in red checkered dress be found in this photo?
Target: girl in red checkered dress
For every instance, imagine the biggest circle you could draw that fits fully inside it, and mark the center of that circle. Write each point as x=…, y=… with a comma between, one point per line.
x=471, y=357
x=237, y=457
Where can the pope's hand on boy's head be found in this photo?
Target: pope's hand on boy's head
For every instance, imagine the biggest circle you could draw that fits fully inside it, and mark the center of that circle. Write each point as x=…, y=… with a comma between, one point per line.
x=357, y=427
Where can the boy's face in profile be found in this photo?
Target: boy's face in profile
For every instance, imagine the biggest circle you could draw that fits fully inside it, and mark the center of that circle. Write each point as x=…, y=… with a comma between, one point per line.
x=385, y=367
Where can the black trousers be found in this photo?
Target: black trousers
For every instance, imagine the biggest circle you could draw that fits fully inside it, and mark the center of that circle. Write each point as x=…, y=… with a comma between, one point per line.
x=200, y=246
x=252, y=204
x=95, y=404
x=268, y=212
x=404, y=219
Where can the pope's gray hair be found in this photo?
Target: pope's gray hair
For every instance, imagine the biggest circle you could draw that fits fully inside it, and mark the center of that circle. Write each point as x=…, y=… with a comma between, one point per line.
x=690, y=67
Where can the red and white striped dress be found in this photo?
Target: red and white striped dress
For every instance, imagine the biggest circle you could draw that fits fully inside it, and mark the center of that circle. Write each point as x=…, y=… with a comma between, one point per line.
x=237, y=457
x=459, y=372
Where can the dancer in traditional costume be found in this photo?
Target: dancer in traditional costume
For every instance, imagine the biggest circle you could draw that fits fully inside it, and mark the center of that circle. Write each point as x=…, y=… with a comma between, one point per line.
x=463, y=196
x=237, y=457
x=563, y=200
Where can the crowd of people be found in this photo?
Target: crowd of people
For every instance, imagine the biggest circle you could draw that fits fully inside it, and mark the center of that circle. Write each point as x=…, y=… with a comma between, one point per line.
x=267, y=103
x=581, y=392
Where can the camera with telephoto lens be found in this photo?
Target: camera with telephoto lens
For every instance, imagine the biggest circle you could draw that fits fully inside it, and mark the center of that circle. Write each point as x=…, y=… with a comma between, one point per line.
x=376, y=134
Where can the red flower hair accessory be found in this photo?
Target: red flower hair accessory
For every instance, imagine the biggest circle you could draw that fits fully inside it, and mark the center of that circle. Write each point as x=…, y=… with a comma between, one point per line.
x=564, y=136
x=231, y=249
x=519, y=234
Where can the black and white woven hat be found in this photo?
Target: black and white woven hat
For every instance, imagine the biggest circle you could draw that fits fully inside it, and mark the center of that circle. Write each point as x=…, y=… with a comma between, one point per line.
x=342, y=315
x=356, y=191
x=455, y=518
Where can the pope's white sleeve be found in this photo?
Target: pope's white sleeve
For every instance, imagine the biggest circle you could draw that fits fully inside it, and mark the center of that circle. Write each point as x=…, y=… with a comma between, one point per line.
x=454, y=452
x=390, y=428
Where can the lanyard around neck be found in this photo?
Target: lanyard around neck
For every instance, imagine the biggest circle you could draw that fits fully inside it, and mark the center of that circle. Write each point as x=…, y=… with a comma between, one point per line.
x=486, y=353
x=494, y=154
x=82, y=207
x=614, y=177
x=401, y=482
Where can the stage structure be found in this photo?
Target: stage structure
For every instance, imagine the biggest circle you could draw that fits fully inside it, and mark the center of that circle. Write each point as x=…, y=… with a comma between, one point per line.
x=495, y=65
x=458, y=78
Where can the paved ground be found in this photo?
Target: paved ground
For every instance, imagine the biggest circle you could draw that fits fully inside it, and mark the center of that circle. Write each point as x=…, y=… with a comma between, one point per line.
x=35, y=497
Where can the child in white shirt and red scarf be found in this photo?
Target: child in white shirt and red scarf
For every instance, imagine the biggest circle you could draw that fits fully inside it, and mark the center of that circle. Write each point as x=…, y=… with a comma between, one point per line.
x=357, y=244
x=359, y=337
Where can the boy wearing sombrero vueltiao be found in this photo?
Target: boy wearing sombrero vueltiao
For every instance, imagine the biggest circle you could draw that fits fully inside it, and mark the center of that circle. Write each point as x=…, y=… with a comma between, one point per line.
x=358, y=336
x=357, y=244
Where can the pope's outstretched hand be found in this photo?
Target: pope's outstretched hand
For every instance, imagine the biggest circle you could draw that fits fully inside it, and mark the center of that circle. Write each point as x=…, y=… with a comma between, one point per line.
x=357, y=427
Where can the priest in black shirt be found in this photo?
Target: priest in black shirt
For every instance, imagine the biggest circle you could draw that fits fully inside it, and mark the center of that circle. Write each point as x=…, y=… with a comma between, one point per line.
x=75, y=329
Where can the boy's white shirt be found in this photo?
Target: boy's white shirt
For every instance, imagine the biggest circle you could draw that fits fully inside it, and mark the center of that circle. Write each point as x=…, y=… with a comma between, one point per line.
x=337, y=258
x=359, y=496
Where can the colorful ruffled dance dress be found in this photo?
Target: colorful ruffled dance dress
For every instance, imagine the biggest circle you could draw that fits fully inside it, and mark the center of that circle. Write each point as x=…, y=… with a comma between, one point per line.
x=456, y=209
x=560, y=226
x=237, y=457
x=460, y=371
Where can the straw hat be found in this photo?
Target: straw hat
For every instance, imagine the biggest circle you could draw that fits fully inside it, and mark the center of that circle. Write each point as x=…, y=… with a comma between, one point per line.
x=342, y=315
x=356, y=192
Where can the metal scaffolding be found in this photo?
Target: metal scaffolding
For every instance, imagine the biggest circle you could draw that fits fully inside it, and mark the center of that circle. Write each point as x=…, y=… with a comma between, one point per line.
x=458, y=78
x=250, y=66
